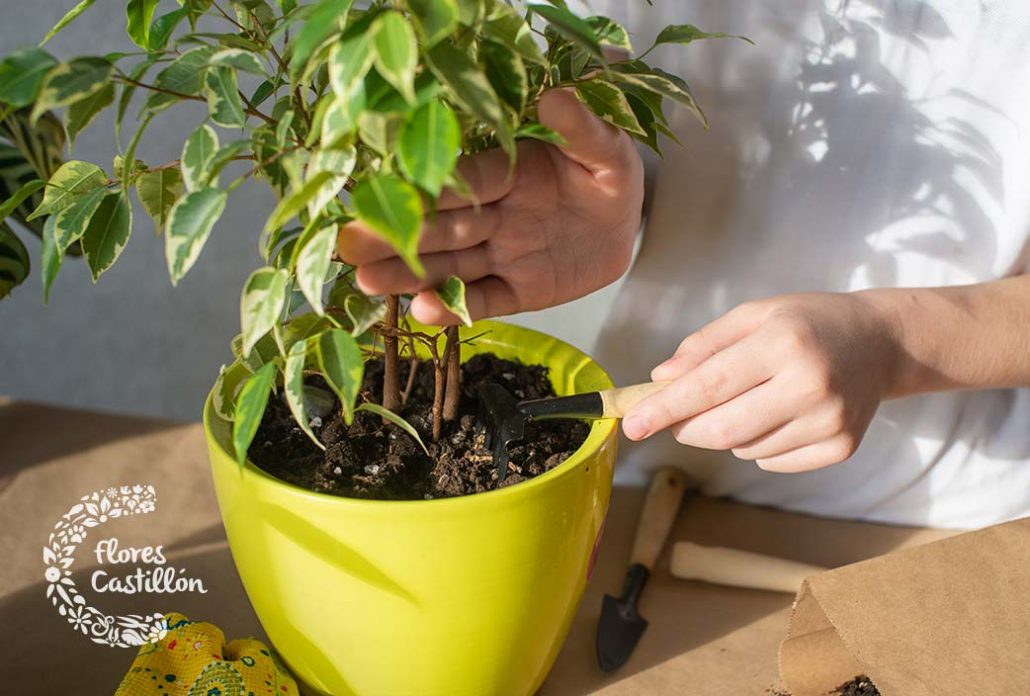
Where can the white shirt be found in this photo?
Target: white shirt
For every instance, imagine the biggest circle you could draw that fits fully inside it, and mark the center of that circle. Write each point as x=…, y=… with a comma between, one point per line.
x=863, y=143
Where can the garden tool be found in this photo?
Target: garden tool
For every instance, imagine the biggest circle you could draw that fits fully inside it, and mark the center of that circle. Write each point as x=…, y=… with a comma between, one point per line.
x=735, y=568
x=621, y=624
x=503, y=419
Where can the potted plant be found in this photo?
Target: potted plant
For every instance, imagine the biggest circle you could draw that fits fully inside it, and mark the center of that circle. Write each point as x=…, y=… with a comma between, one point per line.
x=347, y=113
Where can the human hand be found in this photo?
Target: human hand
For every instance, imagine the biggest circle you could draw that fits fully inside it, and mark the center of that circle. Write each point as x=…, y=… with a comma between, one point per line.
x=790, y=382
x=559, y=227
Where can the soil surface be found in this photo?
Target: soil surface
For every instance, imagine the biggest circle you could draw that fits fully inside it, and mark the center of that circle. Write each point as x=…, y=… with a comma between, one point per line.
x=370, y=459
x=859, y=686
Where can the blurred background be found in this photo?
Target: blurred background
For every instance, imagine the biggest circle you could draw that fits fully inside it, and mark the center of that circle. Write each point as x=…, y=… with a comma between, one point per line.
x=132, y=343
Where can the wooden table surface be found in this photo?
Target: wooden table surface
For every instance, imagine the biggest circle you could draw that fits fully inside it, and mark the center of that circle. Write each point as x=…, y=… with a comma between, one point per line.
x=702, y=639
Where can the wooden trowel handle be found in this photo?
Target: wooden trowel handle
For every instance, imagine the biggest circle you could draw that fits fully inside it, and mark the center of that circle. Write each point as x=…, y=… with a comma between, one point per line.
x=722, y=566
x=659, y=512
x=616, y=402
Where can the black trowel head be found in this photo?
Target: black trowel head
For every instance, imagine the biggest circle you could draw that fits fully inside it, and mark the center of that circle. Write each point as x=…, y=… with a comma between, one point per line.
x=621, y=625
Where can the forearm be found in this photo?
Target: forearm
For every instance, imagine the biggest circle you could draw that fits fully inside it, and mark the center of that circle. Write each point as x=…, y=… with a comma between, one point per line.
x=964, y=337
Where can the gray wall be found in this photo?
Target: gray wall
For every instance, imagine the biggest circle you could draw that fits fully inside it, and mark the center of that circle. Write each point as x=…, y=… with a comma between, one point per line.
x=132, y=343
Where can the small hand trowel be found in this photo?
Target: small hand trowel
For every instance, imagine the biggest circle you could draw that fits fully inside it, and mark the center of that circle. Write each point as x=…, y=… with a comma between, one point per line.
x=621, y=624
x=504, y=419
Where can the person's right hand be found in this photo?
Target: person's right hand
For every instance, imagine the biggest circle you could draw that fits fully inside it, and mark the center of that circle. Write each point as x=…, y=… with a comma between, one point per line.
x=557, y=228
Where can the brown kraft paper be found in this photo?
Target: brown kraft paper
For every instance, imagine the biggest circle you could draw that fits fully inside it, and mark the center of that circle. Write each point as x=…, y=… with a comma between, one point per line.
x=949, y=617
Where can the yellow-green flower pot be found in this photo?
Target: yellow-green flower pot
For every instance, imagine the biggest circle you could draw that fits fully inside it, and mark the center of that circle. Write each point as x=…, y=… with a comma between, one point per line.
x=450, y=597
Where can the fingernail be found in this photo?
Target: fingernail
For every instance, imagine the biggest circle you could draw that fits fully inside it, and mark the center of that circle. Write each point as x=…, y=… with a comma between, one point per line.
x=663, y=367
x=636, y=427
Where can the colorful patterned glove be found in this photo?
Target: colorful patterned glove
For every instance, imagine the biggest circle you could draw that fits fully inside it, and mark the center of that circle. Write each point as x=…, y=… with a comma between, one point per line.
x=193, y=659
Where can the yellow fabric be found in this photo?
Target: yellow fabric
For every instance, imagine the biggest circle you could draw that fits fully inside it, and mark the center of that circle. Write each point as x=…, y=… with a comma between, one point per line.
x=193, y=659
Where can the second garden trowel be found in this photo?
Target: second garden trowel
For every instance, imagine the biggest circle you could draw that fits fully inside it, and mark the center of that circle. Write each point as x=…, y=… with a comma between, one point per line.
x=621, y=625
x=504, y=419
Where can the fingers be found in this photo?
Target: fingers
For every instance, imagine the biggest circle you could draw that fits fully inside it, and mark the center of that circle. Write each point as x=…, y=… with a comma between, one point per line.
x=590, y=141
x=729, y=373
x=814, y=456
x=450, y=231
x=709, y=340
x=393, y=277
x=489, y=297
x=750, y=416
x=488, y=174
x=789, y=437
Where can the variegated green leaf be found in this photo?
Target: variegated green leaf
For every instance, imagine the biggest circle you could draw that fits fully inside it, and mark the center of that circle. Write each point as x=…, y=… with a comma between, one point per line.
x=71, y=181
x=183, y=76
x=610, y=33
x=342, y=366
x=70, y=82
x=293, y=386
x=429, y=145
x=295, y=202
x=239, y=59
x=107, y=234
x=70, y=223
x=158, y=190
x=609, y=104
x=338, y=161
x=686, y=33
x=197, y=156
x=138, y=17
x=396, y=420
x=467, y=82
x=392, y=208
x=507, y=74
x=250, y=407
x=396, y=52
x=452, y=295
x=327, y=17
x=436, y=18
x=263, y=297
x=50, y=259
x=22, y=74
x=67, y=19
x=223, y=97
x=162, y=28
x=351, y=58
x=83, y=112
x=313, y=264
x=189, y=225
x=571, y=27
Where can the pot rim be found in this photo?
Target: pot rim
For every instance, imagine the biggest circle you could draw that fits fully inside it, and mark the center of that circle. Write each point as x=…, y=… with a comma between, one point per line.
x=601, y=432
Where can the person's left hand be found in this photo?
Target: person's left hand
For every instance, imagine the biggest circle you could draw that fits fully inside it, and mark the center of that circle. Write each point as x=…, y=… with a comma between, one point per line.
x=790, y=382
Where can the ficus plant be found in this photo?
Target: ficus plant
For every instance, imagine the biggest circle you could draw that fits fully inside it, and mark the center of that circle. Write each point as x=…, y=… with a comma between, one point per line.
x=346, y=111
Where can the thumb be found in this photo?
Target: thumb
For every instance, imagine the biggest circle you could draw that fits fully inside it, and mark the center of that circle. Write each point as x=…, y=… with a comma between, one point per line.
x=589, y=141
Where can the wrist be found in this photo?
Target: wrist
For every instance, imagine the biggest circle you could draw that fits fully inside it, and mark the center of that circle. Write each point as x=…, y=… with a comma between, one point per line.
x=899, y=374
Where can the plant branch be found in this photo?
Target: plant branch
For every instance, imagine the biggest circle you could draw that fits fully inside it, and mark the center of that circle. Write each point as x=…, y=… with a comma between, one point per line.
x=121, y=77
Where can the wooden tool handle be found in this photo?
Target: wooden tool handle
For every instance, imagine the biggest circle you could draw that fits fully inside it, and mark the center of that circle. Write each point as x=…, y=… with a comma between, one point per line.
x=659, y=512
x=736, y=568
x=616, y=402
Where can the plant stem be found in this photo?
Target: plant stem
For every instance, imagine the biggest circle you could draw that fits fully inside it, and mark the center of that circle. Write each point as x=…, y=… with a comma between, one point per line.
x=438, y=393
x=391, y=371
x=182, y=95
x=412, y=373
x=453, y=359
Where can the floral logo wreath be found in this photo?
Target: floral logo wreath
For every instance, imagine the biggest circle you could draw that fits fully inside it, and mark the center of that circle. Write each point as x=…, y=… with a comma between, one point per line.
x=91, y=511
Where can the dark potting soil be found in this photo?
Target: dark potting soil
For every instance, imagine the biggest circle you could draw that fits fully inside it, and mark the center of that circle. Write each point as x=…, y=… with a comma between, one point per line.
x=859, y=686
x=370, y=459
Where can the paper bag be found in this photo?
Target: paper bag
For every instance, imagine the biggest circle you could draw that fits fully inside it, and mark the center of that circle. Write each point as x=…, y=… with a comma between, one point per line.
x=950, y=617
